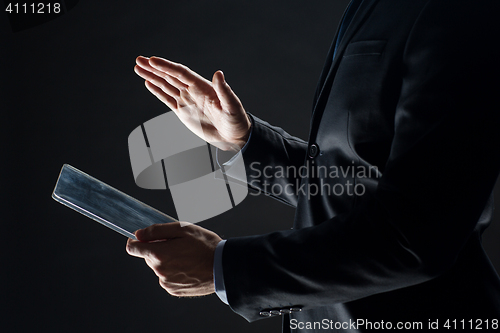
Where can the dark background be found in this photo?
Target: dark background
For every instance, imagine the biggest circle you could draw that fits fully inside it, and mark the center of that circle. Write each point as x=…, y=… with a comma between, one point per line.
x=69, y=95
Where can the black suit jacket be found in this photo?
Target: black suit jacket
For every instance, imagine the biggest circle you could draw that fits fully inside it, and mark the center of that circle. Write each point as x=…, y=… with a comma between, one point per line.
x=411, y=92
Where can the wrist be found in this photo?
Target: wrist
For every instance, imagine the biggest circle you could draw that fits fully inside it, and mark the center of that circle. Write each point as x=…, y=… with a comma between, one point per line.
x=243, y=141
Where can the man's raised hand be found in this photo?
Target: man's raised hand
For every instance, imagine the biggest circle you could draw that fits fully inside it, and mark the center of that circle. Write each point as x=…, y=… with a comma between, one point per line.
x=211, y=110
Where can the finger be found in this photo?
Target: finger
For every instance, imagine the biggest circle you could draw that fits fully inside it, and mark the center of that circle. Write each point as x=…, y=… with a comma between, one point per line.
x=158, y=81
x=162, y=96
x=228, y=99
x=154, y=252
x=179, y=71
x=161, y=231
x=143, y=62
x=133, y=248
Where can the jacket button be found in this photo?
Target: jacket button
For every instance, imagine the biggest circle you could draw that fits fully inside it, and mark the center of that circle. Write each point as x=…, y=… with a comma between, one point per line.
x=275, y=313
x=265, y=314
x=313, y=150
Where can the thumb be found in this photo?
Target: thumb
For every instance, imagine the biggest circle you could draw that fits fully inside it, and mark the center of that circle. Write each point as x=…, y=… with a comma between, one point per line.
x=162, y=231
x=228, y=99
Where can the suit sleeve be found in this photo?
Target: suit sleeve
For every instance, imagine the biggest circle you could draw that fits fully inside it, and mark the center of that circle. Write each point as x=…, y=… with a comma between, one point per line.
x=272, y=146
x=443, y=165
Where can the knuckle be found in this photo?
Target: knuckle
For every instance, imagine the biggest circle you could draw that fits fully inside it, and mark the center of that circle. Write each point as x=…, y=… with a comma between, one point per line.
x=183, y=71
x=155, y=256
x=161, y=273
x=184, y=93
x=172, y=290
x=151, y=230
x=164, y=284
x=162, y=85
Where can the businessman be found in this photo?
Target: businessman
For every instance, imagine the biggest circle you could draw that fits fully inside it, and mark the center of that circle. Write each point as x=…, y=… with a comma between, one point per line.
x=407, y=105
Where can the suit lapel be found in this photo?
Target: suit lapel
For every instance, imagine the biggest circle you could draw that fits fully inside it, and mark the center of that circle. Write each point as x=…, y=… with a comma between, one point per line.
x=331, y=65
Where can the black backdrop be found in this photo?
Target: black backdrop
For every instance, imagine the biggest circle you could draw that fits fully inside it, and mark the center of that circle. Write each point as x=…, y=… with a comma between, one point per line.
x=69, y=95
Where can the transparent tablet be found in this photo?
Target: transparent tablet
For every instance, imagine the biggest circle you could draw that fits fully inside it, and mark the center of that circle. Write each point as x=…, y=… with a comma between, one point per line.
x=104, y=204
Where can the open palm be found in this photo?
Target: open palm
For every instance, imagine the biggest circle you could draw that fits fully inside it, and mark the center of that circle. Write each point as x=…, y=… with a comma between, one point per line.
x=210, y=110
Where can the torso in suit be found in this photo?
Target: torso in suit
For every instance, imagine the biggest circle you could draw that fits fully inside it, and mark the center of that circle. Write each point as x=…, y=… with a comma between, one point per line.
x=410, y=95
